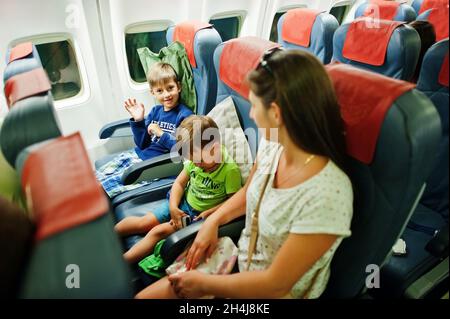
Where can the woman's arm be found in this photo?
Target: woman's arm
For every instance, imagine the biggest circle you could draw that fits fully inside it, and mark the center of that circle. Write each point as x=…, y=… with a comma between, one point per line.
x=297, y=255
x=206, y=239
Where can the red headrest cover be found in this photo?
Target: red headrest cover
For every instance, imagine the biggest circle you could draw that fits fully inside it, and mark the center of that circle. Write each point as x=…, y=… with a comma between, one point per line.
x=364, y=98
x=439, y=19
x=430, y=4
x=379, y=9
x=20, y=51
x=239, y=57
x=443, y=75
x=368, y=39
x=26, y=84
x=297, y=26
x=185, y=34
x=61, y=187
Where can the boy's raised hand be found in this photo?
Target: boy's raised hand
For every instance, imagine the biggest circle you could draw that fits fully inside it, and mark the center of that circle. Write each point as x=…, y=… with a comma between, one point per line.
x=135, y=109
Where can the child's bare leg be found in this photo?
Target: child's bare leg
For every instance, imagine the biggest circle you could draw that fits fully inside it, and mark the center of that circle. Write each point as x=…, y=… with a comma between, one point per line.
x=162, y=289
x=136, y=225
x=145, y=246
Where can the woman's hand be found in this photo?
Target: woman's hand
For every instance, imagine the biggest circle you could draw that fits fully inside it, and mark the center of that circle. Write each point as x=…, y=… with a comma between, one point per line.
x=204, y=244
x=188, y=284
x=135, y=109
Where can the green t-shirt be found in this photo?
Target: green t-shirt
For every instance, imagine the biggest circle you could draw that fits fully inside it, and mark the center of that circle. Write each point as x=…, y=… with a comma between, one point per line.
x=206, y=190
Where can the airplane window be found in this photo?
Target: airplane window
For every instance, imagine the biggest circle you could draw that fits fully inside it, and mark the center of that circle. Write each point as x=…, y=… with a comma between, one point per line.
x=228, y=28
x=155, y=41
x=274, y=29
x=339, y=13
x=58, y=60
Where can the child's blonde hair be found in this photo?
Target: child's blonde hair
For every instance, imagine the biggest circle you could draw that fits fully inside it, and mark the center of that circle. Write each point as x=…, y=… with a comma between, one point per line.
x=160, y=74
x=193, y=132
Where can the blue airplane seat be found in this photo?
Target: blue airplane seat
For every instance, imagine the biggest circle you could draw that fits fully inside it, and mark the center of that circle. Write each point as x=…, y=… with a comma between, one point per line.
x=421, y=6
x=21, y=58
x=388, y=169
x=309, y=30
x=426, y=236
x=438, y=17
x=205, y=39
x=386, y=10
x=387, y=47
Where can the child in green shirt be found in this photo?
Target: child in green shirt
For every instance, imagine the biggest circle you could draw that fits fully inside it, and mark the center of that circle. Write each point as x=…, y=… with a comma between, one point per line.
x=209, y=177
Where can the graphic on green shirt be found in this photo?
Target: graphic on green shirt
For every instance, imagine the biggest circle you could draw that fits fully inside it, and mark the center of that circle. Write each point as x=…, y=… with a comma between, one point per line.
x=206, y=190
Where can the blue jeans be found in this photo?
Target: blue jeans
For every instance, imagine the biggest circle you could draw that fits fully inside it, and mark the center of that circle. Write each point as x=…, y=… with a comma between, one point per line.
x=162, y=213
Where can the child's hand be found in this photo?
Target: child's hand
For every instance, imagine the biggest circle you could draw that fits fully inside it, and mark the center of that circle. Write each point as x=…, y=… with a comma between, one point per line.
x=135, y=109
x=154, y=129
x=176, y=214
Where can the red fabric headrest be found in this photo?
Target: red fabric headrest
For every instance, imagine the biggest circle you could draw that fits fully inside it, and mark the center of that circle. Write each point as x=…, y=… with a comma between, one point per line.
x=239, y=57
x=298, y=24
x=26, y=84
x=439, y=19
x=429, y=4
x=380, y=9
x=20, y=51
x=443, y=75
x=364, y=98
x=185, y=34
x=368, y=39
x=61, y=187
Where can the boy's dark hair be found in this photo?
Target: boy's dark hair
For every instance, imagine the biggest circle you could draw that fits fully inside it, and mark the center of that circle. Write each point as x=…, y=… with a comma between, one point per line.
x=299, y=84
x=160, y=74
x=196, y=131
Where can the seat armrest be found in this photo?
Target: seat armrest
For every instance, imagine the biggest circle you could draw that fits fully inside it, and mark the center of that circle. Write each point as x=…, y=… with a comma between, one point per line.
x=119, y=128
x=438, y=245
x=176, y=243
x=161, y=166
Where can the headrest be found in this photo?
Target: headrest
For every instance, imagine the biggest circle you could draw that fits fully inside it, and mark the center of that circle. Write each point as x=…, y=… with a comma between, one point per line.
x=443, y=74
x=26, y=84
x=364, y=98
x=430, y=4
x=185, y=33
x=380, y=9
x=438, y=17
x=298, y=24
x=367, y=40
x=20, y=51
x=61, y=187
x=239, y=57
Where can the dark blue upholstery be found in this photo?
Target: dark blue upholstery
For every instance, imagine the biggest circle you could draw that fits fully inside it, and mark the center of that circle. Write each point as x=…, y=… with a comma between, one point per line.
x=404, y=12
x=321, y=37
x=432, y=213
x=26, y=64
x=205, y=42
x=387, y=190
x=417, y=4
x=401, y=57
x=436, y=193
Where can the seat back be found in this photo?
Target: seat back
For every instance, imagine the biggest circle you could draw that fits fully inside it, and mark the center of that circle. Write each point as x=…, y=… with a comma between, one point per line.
x=386, y=10
x=233, y=60
x=75, y=245
x=438, y=17
x=386, y=47
x=421, y=6
x=200, y=40
x=31, y=118
x=390, y=157
x=21, y=58
x=433, y=81
x=309, y=30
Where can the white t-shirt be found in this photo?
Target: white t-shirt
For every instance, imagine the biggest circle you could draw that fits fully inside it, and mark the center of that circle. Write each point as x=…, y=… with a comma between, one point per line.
x=323, y=204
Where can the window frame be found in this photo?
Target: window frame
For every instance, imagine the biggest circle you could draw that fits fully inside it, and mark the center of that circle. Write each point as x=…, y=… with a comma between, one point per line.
x=84, y=94
x=136, y=28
